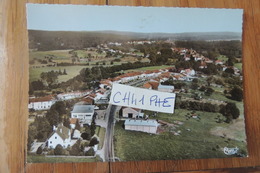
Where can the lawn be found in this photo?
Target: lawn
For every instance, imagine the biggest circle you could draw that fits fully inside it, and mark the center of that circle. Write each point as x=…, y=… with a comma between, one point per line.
x=238, y=65
x=101, y=135
x=72, y=71
x=194, y=141
x=222, y=58
x=43, y=159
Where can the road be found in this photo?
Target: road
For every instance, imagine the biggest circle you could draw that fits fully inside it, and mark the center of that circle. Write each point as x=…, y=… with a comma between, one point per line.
x=108, y=143
x=108, y=146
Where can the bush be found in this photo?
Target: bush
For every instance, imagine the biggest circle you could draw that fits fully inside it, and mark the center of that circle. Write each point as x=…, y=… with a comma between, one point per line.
x=93, y=141
x=75, y=149
x=39, y=150
x=230, y=111
x=58, y=150
x=90, y=152
x=209, y=91
x=236, y=94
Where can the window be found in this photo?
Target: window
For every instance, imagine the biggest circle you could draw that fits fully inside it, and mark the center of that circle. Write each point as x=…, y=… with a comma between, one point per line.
x=50, y=142
x=55, y=137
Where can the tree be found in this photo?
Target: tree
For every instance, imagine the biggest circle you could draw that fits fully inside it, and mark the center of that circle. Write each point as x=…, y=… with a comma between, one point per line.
x=58, y=150
x=66, y=122
x=77, y=125
x=209, y=91
x=75, y=149
x=195, y=80
x=37, y=85
x=236, y=93
x=93, y=141
x=32, y=132
x=53, y=117
x=39, y=150
x=64, y=72
x=230, y=111
x=92, y=127
x=43, y=128
x=60, y=107
x=90, y=152
x=60, y=73
x=194, y=86
x=229, y=71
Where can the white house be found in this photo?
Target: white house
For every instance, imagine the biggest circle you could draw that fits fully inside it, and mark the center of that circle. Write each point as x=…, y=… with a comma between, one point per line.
x=148, y=126
x=166, y=88
x=41, y=103
x=72, y=95
x=128, y=112
x=61, y=135
x=83, y=112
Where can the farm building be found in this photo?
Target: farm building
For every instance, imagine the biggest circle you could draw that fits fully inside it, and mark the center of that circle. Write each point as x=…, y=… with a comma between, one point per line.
x=148, y=126
x=166, y=88
x=127, y=112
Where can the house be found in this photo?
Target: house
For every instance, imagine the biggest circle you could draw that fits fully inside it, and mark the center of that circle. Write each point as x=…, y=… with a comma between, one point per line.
x=219, y=62
x=166, y=88
x=60, y=135
x=41, y=103
x=188, y=71
x=89, y=99
x=127, y=112
x=148, y=126
x=76, y=134
x=83, y=112
x=72, y=95
x=73, y=122
x=147, y=85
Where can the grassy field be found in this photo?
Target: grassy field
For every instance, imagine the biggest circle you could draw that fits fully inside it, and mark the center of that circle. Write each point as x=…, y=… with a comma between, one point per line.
x=238, y=65
x=222, y=58
x=43, y=159
x=57, y=53
x=72, y=71
x=194, y=141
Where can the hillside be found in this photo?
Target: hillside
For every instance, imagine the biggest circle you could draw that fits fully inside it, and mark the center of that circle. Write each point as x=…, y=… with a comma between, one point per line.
x=57, y=40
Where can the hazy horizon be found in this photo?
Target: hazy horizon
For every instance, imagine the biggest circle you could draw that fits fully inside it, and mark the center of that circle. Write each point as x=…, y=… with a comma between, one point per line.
x=53, y=17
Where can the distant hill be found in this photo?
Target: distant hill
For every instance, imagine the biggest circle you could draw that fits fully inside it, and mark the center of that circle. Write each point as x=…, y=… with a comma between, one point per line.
x=51, y=40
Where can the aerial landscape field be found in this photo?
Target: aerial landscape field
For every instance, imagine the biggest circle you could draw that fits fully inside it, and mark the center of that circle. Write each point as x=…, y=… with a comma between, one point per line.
x=72, y=73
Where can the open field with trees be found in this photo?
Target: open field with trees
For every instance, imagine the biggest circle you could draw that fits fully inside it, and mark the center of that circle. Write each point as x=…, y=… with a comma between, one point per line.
x=72, y=71
x=193, y=141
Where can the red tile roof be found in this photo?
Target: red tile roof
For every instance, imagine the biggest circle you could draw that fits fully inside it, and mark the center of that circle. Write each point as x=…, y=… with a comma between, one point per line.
x=73, y=120
x=42, y=99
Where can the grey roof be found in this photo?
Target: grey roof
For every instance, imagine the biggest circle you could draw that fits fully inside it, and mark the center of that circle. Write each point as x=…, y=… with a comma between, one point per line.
x=63, y=132
x=141, y=122
x=83, y=109
x=165, y=87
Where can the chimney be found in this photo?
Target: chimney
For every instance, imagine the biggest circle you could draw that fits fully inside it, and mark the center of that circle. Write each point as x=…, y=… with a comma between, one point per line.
x=54, y=128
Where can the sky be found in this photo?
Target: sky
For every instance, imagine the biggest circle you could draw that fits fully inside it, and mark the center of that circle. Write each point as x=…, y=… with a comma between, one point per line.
x=132, y=19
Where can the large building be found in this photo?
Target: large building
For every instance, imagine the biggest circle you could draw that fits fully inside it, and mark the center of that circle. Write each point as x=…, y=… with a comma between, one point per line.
x=148, y=126
x=83, y=112
x=41, y=103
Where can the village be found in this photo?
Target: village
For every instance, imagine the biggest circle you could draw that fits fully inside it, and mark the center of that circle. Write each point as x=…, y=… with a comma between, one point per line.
x=83, y=117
